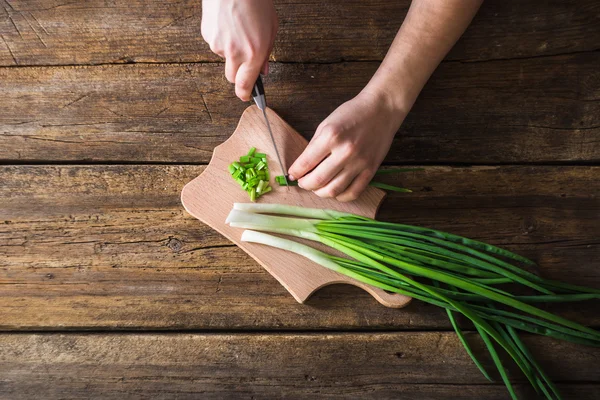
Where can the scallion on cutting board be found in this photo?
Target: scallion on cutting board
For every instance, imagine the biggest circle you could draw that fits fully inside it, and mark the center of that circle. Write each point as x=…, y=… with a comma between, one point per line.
x=251, y=172
x=458, y=274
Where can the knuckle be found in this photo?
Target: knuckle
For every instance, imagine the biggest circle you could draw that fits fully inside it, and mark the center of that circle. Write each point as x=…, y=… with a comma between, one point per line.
x=243, y=84
x=216, y=49
x=319, y=181
x=251, y=52
x=349, y=150
x=331, y=131
x=230, y=49
x=303, y=164
x=369, y=172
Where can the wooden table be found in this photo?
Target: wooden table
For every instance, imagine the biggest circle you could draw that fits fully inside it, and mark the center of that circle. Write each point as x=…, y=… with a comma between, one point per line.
x=109, y=289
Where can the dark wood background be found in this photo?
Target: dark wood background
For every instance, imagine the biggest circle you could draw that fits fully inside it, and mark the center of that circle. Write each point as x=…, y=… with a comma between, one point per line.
x=109, y=289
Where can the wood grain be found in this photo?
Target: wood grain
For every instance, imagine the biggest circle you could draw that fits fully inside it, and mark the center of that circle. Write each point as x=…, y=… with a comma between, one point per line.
x=300, y=276
x=54, y=32
x=537, y=110
x=110, y=247
x=417, y=365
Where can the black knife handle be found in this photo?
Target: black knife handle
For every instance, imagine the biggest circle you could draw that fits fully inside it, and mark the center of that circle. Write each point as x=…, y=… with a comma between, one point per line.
x=258, y=94
x=258, y=89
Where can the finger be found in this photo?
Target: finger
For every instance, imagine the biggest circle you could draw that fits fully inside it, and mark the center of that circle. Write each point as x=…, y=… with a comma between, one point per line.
x=358, y=185
x=322, y=174
x=314, y=153
x=245, y=79
x=337, y=185
x=265, y=67
x=231, y=68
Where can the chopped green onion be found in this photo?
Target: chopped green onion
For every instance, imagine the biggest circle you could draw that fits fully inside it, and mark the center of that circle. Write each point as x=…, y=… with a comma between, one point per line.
x=251, y=172
x=282, y=181
x=259, y=188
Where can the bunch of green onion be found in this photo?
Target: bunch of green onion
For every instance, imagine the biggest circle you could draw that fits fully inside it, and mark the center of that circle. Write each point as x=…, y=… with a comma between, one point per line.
x=463, y=276
x=251, y=172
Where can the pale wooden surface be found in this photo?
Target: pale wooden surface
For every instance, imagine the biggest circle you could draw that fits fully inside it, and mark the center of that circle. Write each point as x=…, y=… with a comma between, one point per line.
x=210, y=197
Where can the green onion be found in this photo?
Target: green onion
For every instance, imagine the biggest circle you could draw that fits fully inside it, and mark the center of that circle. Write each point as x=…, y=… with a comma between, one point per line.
x=251, y=172
x=391, y=188
x=283, y=182
x=404, y=259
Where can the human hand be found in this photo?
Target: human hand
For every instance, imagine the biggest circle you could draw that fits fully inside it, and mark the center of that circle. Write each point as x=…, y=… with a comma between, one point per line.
x=243, y=32
x=348, y=147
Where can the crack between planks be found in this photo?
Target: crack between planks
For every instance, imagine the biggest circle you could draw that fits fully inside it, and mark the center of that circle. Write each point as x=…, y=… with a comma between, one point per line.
x=452, y=164
x=341, y=60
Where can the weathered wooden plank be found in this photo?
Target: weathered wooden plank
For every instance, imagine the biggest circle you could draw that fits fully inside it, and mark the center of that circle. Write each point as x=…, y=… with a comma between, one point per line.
x=415, y=365
x=110, y=247
x=536, y=110
x=43, y=32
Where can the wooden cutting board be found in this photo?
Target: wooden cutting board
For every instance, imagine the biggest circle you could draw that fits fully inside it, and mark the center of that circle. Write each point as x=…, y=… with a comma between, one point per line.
x=210, y=197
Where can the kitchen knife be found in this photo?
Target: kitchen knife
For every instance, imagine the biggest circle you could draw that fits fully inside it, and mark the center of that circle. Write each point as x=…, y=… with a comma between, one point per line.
x=258, y=94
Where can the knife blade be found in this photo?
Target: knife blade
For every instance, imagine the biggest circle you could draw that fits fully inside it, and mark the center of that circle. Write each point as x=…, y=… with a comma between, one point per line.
x=258, y=94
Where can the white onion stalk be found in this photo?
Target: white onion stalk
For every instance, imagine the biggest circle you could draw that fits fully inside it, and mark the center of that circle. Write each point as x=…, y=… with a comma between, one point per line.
x=285, y=244
x=297, y=211
x=317, y=256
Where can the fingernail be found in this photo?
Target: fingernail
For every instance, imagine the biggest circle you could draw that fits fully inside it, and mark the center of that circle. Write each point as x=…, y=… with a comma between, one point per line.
x=291, y=178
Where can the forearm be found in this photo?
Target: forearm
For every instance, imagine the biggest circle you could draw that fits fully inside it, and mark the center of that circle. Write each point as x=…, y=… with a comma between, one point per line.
x=429, y=31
